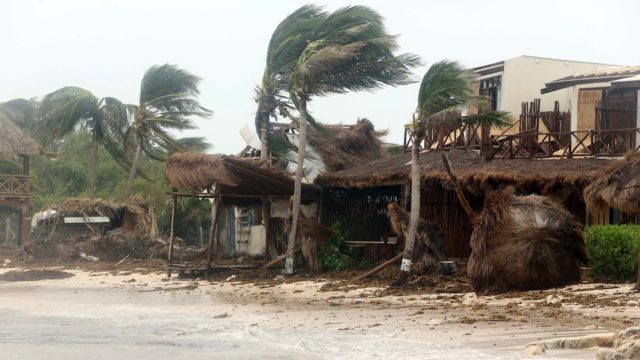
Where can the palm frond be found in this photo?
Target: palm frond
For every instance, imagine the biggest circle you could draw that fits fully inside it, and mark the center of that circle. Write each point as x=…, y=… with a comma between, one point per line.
x=351, y=51
x=445, y=85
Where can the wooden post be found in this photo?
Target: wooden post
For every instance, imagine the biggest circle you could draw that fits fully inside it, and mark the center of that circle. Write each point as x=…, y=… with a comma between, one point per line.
x=213, y=231
x=25, y=216
x=266, y=220
x=380, y=267
x=172, y=235
x=458, y=190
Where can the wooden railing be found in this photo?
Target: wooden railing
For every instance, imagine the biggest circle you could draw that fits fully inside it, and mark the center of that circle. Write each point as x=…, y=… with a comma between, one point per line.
x=443, y=137
x=14, y=185
x=530, y=144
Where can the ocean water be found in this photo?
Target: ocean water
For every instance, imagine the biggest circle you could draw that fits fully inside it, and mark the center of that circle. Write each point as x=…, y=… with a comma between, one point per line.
x=39, y=323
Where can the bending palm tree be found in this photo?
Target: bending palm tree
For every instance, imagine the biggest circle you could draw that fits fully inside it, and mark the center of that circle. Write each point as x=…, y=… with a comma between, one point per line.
x=287, y=42
x=445, y=89
x=167, y=102
x=69, y=108
x=349, y=50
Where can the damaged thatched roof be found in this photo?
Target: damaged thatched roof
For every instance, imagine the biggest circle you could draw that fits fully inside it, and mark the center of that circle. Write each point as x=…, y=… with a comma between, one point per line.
x=617, y=187
x=234, y=176
x=349, y=146
x=141, y=209
x=14, y=142
x=474, y=173
x=341, y=146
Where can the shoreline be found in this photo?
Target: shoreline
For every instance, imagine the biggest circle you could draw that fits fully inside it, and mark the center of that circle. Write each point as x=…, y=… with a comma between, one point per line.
x=498, y=325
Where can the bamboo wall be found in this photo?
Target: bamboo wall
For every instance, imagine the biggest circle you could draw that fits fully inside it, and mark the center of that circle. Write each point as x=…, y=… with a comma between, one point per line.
x=441, y=207
x=362, y=212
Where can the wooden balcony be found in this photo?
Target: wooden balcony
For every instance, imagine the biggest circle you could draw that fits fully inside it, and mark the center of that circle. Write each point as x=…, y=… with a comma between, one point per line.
x=569, y=144
x=14, y=186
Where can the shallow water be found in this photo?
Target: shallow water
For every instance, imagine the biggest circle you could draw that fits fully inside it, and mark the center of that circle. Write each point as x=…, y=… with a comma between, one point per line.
x=37, y=322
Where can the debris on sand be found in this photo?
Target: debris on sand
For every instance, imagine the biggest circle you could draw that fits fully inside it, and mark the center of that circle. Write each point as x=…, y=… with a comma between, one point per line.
x=34, y=275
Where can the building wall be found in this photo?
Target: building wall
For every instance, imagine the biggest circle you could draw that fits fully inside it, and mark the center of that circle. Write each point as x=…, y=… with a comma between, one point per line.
x=524, y=76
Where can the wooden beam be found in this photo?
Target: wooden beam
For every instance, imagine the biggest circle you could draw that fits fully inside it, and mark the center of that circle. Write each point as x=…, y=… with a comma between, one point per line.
x=24, y=223
x=172, y=235
x=266, y=220
x=213, y=231
x=380, y=267
x=456, y=186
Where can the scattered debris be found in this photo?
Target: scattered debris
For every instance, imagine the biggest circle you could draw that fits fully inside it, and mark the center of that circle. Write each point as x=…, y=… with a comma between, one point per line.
x=34, y=275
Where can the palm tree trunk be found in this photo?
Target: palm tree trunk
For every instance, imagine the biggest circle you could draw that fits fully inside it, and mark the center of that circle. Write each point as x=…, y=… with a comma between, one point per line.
x=297, y=189
x=414, y=216
x=264, y=139
x=134, y=169
x=93, y=169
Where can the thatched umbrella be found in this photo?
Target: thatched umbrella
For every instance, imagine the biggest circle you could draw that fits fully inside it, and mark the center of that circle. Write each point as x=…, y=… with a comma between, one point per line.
x=524, y=243
x=14, y=142
x=618, y=187
x=521, y=242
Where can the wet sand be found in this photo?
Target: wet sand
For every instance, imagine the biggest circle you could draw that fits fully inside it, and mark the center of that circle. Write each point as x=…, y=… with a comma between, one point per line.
x=116, y=315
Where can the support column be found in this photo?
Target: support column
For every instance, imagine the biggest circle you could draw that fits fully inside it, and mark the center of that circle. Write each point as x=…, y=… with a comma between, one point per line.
x=266, y=220
x=213, y=231
x=637, y=119
x=25, y=218
x=172, y=235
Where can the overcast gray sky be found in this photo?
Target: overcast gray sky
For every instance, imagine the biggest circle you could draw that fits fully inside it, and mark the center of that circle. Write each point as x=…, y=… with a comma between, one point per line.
x=105, y=47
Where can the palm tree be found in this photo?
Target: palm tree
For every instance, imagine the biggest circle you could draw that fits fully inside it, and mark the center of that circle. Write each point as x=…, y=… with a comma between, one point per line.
x=350, y=50
x=70, y=108
x=444, y=91
x=167, y=102
x=287, y=42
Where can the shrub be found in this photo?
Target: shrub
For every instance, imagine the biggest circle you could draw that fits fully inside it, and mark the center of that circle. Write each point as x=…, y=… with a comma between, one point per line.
x=613, y=250
x=335, y=256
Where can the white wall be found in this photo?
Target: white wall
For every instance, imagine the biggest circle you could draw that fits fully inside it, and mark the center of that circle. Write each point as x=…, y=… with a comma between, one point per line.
x=524, y=76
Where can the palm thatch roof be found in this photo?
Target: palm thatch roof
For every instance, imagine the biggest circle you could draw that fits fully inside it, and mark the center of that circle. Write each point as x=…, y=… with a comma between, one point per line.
x=234, y=176
x=349, y=145
x=14, y=142
x=617, y=187
x=339, y=146
x=475, y=174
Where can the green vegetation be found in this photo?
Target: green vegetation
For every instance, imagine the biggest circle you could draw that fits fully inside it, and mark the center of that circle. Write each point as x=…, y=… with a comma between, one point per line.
x=55, y=180
x=613, y=250
x=335, y=256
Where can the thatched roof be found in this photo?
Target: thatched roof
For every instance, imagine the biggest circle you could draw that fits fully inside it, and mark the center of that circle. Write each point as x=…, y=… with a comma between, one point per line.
x=474, y=173
x=235, y=176
x=14, y=142
x=349, y=146
x=617, y=187
x=341, y=146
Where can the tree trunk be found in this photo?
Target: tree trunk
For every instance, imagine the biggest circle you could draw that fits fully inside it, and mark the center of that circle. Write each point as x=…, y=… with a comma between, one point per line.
x=93, y=172
x=297, y=189
x=414, y=216
x=264, y=136
x=134, y=169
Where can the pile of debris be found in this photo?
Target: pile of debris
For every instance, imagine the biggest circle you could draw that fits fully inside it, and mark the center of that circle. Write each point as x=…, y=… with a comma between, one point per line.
x=112, y=246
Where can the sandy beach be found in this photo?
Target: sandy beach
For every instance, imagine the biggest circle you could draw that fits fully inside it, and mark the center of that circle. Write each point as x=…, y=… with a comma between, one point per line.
x=144, y=315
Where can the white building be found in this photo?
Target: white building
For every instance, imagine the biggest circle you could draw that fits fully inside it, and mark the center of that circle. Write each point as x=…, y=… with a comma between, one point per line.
x=510, y=82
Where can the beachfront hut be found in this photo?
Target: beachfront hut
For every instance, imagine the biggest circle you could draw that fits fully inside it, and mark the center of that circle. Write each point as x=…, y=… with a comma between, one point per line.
x=358, y=196
x=14, y=187
x=240, y=185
